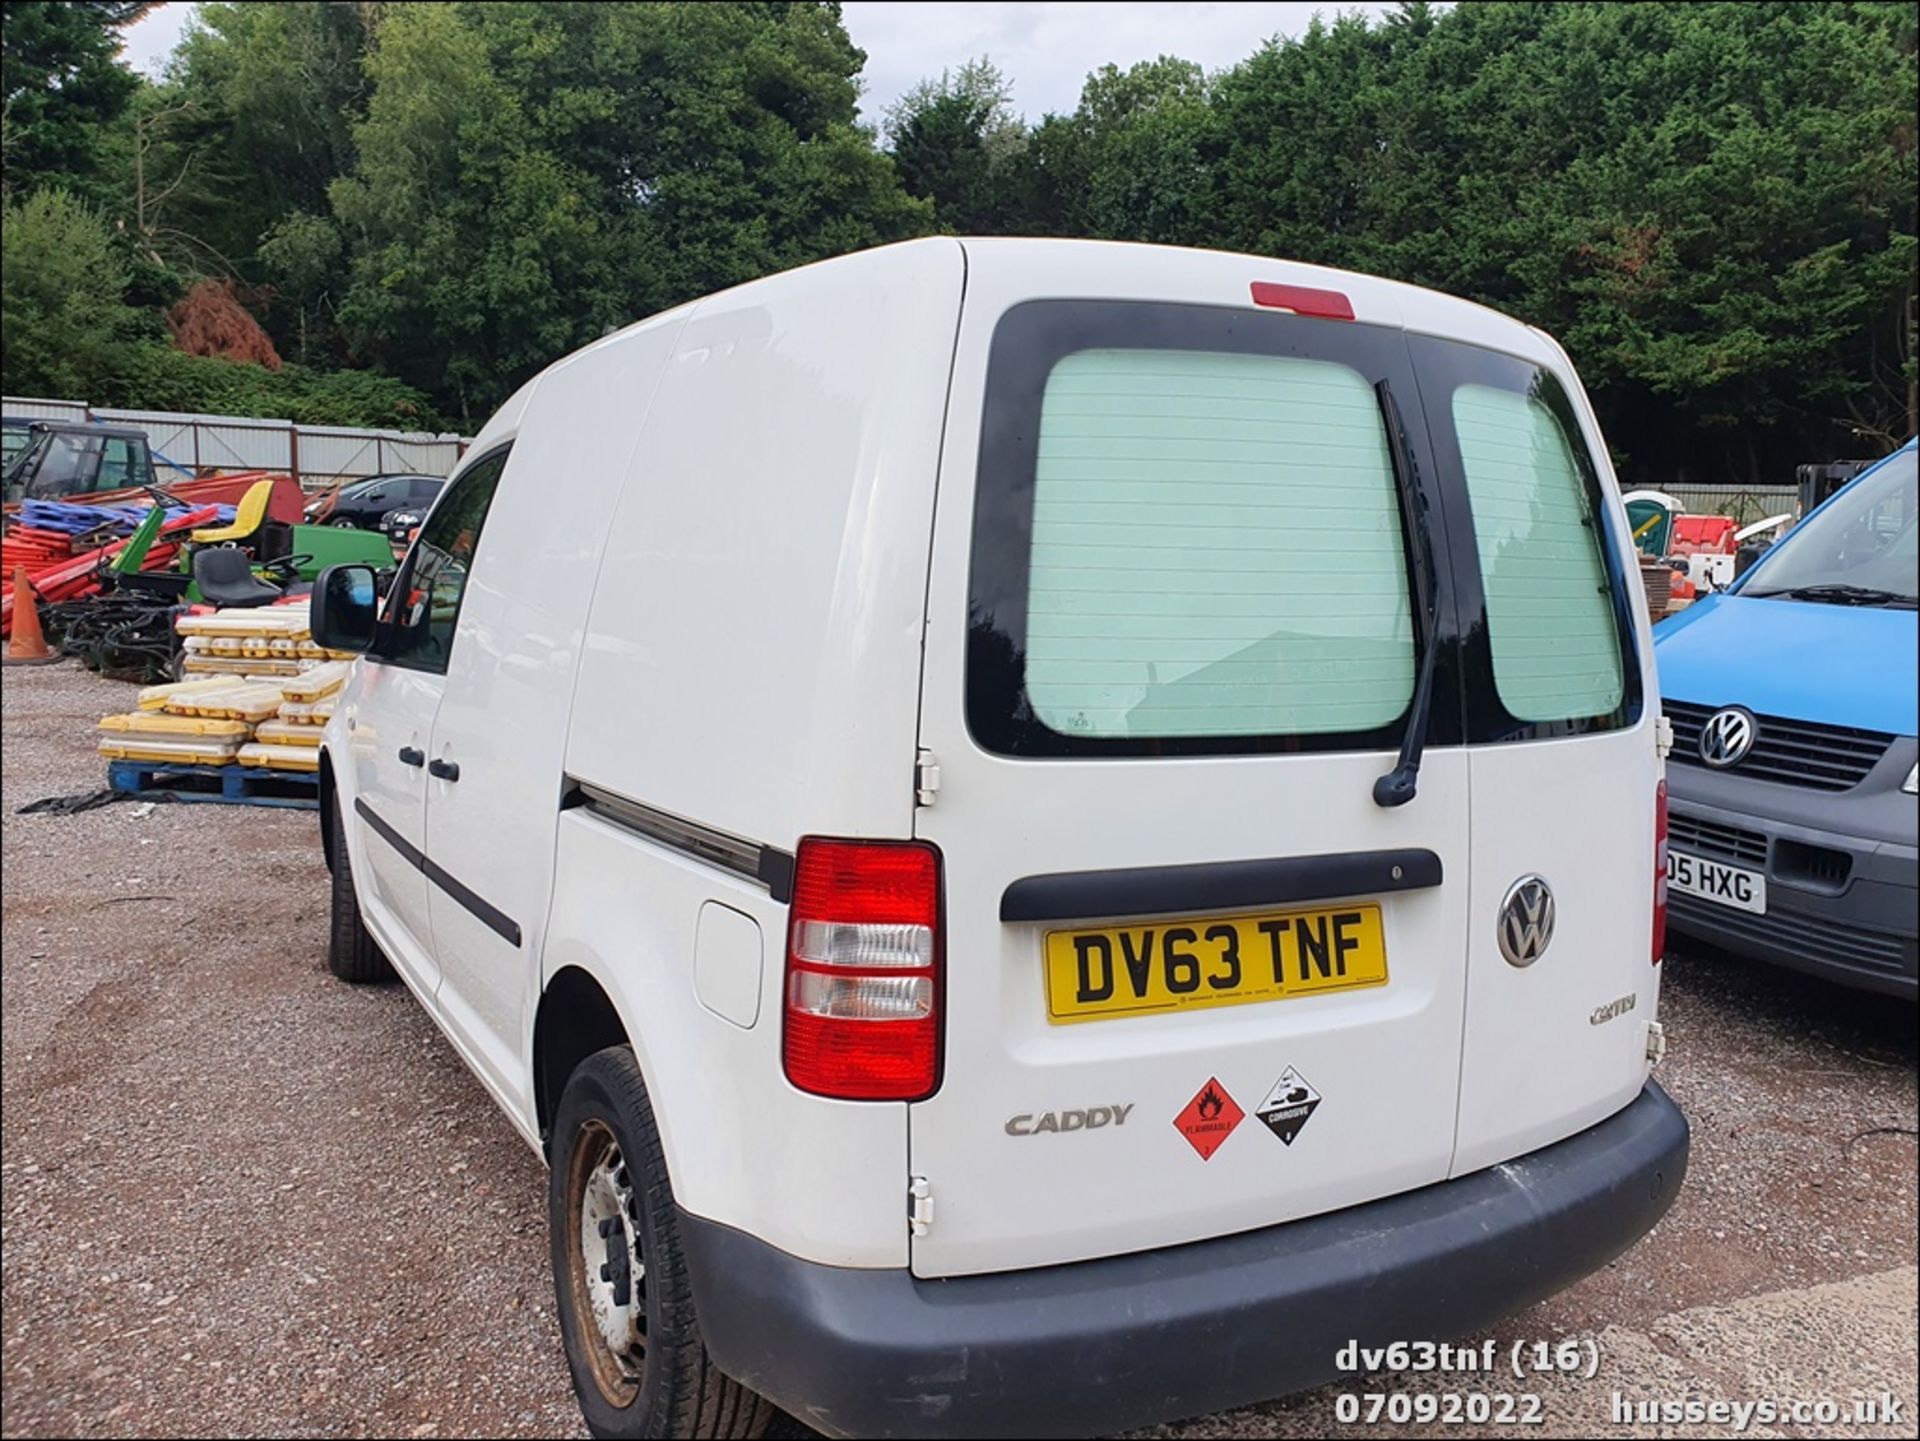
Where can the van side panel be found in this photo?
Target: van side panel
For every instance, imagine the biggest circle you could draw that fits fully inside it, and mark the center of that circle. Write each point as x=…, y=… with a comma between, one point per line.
x=754, y=653
x=752, y=664
x=503, y=715
x=822, y=1180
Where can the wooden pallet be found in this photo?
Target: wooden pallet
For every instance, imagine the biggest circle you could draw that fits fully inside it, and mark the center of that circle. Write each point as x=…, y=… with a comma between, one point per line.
x=233, y=785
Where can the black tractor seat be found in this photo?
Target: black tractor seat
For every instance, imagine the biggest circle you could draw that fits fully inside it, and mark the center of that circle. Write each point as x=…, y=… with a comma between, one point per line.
x=225, y=577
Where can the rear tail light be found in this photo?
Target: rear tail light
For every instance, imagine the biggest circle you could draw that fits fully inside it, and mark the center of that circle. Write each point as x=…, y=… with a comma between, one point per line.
x=864, y=948
x=1659, y=872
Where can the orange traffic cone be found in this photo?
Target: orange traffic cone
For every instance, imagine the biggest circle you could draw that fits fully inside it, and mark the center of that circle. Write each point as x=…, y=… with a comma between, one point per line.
x=28, y=645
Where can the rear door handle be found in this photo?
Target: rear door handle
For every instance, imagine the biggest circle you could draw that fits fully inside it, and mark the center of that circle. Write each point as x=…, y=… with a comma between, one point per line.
x=445, y=770
x=411, y=757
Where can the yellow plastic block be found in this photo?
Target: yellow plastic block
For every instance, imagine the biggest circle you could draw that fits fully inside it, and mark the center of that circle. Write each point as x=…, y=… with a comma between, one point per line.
x=241, y=665
x=179, y=753
x=155, y=696
x=322, y=680
x=290, y=622
x=280, y=758
x=159, y=723
x=246, y=701
x=287, y=733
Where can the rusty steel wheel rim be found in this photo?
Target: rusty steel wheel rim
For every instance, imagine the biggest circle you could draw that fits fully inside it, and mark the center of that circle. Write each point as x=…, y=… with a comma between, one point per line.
x=608, y=1270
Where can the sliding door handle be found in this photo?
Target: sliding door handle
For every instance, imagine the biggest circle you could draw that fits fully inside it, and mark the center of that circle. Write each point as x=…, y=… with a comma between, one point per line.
x=411, y=757
x=445, y=770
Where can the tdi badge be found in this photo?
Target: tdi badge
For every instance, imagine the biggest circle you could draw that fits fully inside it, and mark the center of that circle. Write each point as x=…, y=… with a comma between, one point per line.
x=1288, y=1105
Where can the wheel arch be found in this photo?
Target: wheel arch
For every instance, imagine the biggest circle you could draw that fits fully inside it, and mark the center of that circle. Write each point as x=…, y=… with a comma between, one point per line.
x=575, y=1018
x=327, y=789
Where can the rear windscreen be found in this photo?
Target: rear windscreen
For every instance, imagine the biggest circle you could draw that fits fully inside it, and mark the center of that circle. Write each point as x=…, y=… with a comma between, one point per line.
x=1206, y=531
x=1216, y=549
x=1550, y=620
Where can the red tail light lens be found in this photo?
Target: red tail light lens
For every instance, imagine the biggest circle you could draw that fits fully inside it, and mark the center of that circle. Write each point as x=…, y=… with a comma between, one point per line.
x=864, y=946
x=1660, y=873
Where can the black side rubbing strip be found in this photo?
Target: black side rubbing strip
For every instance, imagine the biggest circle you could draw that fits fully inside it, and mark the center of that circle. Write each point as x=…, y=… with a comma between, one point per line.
x=763, y=864
x=1218, y=885
x=409, y=852
x=489, y=915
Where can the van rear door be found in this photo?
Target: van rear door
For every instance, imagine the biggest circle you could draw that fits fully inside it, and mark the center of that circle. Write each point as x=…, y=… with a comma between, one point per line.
x=1197, y=980
x=1556, y=668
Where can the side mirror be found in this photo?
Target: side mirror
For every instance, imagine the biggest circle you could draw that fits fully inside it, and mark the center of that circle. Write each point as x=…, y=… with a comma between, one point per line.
x=345, y=608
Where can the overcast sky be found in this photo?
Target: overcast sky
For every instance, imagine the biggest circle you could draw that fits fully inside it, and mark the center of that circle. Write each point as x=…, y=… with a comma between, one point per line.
x=1046, y=50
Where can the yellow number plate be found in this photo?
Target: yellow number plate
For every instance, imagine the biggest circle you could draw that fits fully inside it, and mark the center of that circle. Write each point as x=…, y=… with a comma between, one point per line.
x=1215, y=961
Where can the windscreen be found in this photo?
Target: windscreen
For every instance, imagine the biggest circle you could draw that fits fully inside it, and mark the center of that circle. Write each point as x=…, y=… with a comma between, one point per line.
x=66, y=467
x=1204, y=532
x=1862, y=547
x=1216, y=549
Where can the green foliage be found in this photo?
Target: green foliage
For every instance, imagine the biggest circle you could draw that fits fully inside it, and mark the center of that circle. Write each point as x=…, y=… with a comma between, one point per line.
x=952, y=139
x=61, y=88
x=1128, y=163
x=530, y=175
x=157, y=377
x=62, y=312
x=1711, y=204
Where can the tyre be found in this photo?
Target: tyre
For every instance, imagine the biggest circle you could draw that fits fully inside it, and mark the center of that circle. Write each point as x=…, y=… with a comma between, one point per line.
x=626, y=1308
x=343, y=524
x=351, y=953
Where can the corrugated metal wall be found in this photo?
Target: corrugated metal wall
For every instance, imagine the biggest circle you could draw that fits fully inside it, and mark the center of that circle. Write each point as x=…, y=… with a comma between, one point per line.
x=45, y=409
x=316, y=455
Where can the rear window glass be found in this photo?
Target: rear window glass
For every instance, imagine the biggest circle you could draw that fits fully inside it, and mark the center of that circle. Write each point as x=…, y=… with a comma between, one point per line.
x=1216, y=550
x=1550, y=609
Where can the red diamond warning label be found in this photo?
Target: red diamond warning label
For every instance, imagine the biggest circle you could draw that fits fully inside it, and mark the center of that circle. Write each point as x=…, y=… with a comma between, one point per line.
x=1209, y=1119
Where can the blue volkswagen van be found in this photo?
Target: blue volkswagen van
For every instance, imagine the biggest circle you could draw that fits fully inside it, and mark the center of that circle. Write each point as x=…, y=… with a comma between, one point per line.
x=1793, y=775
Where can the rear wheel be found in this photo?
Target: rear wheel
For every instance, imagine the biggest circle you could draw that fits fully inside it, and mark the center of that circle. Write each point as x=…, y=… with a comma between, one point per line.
x=626, y=1307
x=351, y=953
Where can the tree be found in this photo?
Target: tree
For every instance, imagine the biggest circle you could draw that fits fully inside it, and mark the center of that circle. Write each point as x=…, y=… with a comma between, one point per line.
x=530, y=175
x=1133, y=153
x=252, y=126
x=61, y=88
x=62, y=316
x=301, y=256
x=952, y=139
x=1711, y=205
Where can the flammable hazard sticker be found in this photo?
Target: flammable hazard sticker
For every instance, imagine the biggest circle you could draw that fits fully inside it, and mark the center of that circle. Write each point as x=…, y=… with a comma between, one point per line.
x=1209, y=1118
x=1288, y=1106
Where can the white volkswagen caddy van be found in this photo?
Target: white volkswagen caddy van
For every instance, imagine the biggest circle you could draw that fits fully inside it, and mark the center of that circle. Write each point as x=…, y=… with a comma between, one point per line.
x=1040, y=833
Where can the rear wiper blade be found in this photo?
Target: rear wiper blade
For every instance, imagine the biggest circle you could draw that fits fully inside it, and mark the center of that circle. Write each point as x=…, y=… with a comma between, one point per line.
x=1398, y=785
x=1837, y=594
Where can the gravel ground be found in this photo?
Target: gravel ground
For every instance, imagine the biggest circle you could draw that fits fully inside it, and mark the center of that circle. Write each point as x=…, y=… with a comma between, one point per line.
x=239, y=1198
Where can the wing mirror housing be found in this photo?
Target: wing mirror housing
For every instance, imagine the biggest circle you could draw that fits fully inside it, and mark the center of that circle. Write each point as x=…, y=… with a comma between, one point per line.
x=345, y=610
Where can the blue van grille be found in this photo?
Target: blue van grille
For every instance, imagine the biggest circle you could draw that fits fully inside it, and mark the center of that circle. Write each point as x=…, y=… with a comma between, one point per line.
x=1789, y=752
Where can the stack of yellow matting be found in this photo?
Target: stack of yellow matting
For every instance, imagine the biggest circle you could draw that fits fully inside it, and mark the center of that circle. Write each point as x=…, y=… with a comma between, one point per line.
x=291, y=740
x=274, y=640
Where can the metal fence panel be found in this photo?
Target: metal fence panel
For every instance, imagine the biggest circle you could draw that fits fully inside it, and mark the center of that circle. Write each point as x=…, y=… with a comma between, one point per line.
x=316, y=455
x=43, y=409
x=1745, y=504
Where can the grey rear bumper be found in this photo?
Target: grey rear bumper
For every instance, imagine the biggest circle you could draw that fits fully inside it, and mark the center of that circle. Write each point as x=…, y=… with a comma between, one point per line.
x=1132, y=1340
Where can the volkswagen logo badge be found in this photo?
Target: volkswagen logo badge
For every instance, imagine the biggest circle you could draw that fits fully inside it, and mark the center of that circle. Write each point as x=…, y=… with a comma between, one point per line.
x=1526, y=921
x=1727, y=737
